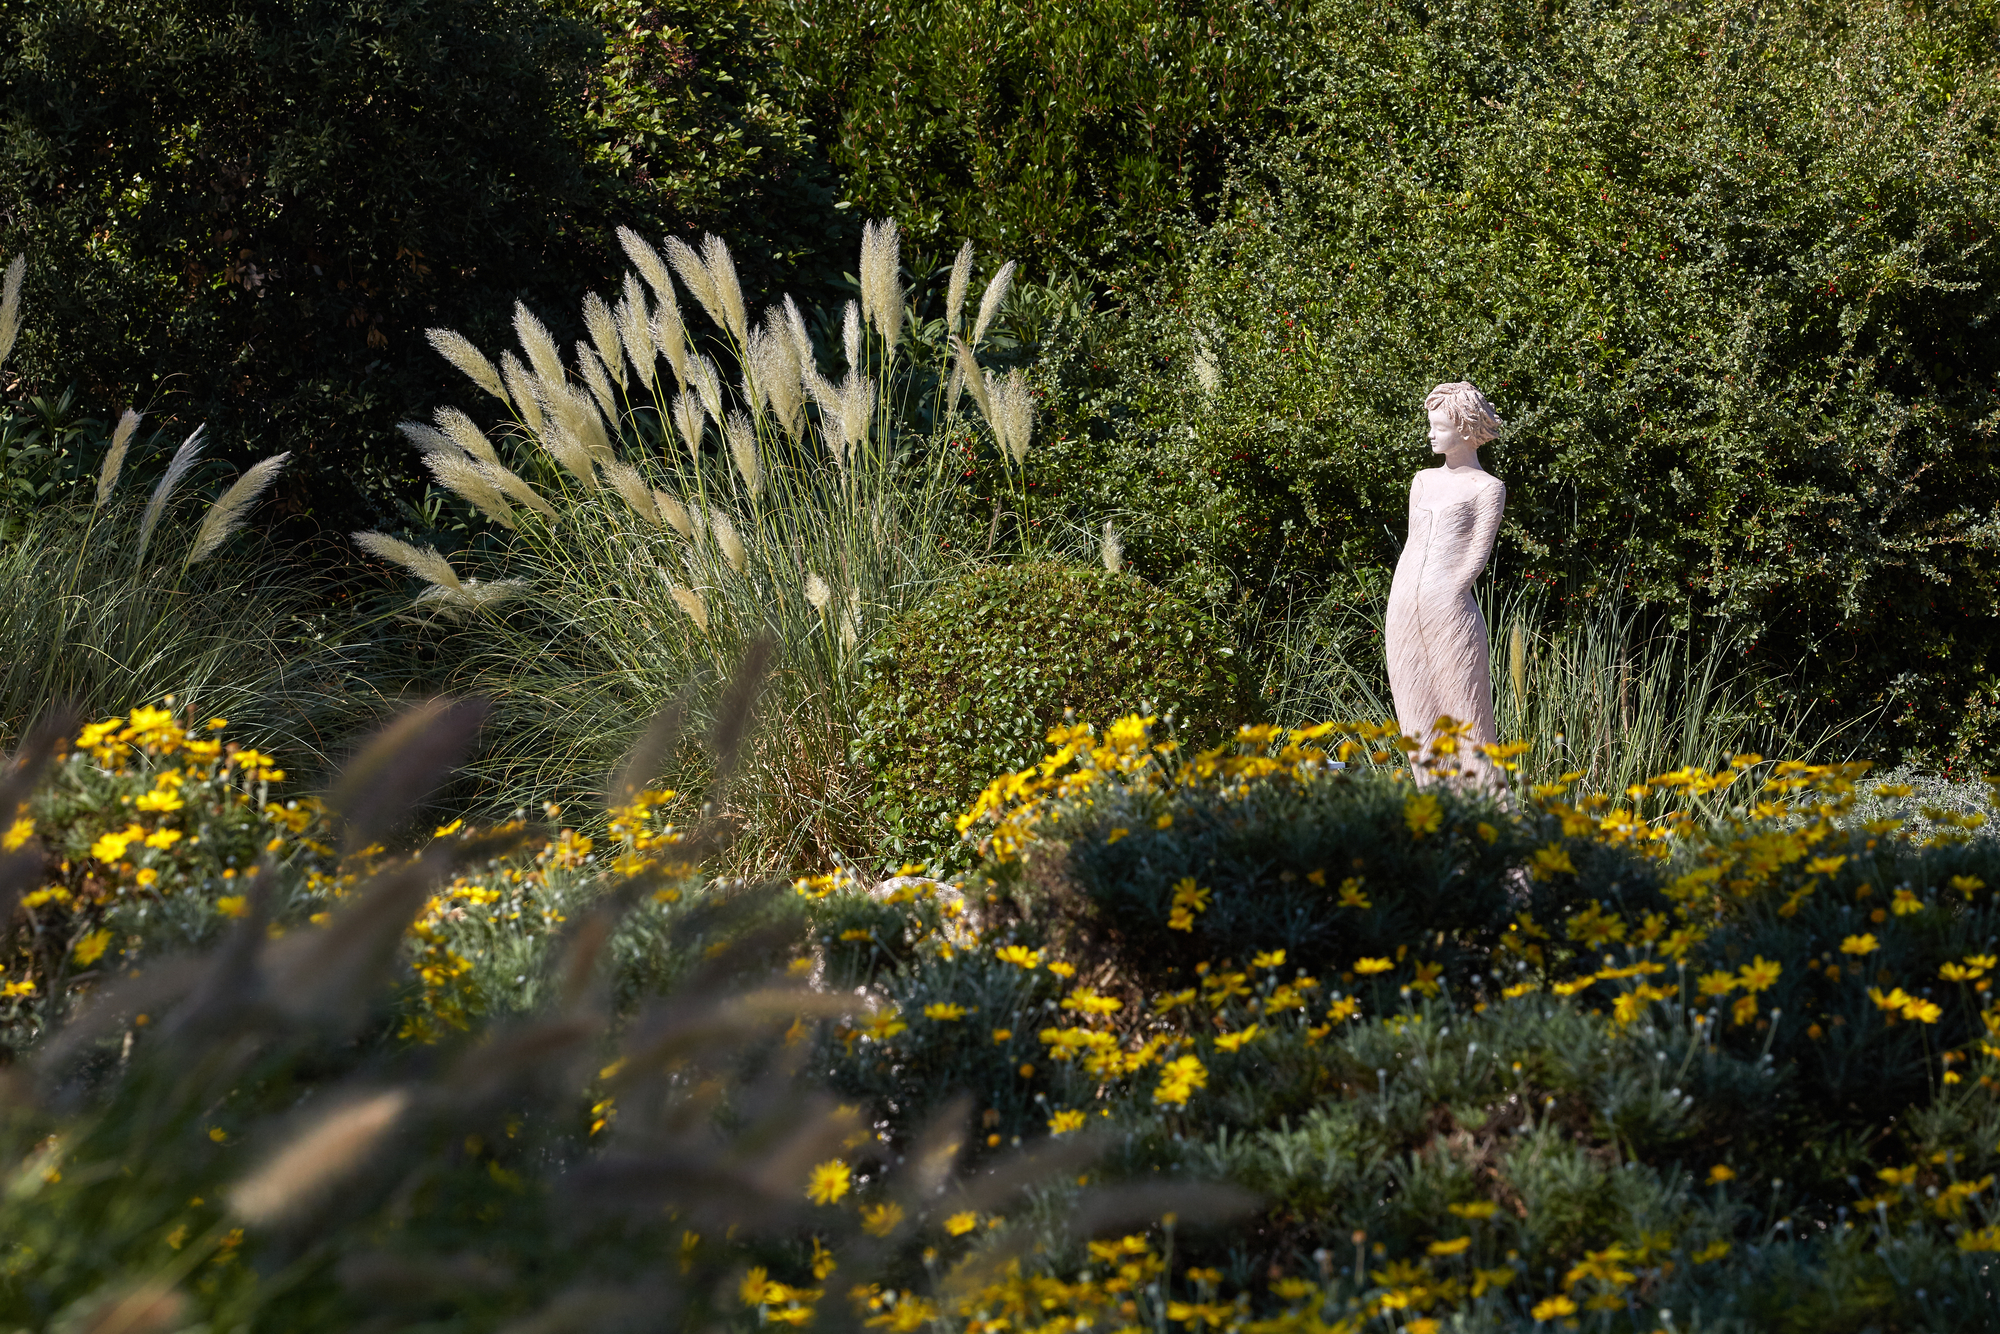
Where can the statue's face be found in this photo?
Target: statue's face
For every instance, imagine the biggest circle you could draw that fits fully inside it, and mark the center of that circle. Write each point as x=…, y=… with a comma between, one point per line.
x=1445, y=436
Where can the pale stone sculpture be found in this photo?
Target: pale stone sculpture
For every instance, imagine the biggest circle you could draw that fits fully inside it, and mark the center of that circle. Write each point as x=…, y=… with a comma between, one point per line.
x=1435, y=636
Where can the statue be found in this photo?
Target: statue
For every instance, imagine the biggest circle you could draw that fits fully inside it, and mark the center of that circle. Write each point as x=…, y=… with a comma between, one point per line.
x=1436, y=639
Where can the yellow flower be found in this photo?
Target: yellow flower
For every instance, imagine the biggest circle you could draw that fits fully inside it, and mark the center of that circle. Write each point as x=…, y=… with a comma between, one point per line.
x=1002, y=1035
x=1922, y=1011
x=960, y=1224
x=1369, y=967
x=1343, y=1009
x=1351, y=895
x=1553, y=1307
x=944, y=1011
x=92, y=947
x=1423, y=814
x=17, y=834
x=1862, y=944
x=1744, y=1010
x=1268, y=959
x=1065, y=1121
x=10, y=990
x=236, y=905
x=1061, y=969
x=1019, y=955
x=1549, y=861
x=1716, y=984
x=1715, y=1250
x=829, y=1182
x=1966, y=884
x=1759, y=975
x=146, y=877
x=1906, y=903
x=1719, y=1174
x=1178, y=1080
x=1234, y=1041
x=1085, y=1001
x=879, y=1220
x=163, y=838
x=754, y=1285
x=884, y=1024
x=159, y=801
x=1115, y=835
x=1452, y=1247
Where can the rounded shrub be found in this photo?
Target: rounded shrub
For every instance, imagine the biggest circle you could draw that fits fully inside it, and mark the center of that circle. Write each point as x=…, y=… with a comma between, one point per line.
x=968, y=683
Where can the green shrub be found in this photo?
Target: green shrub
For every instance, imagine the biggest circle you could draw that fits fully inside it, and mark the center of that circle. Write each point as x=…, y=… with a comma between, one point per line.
x=969, y=683
x=1724, y=270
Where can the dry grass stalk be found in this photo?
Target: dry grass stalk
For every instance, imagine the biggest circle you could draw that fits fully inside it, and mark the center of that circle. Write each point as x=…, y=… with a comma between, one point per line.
x=673, y=512
x=690, y=602
x=990, y=302
x=535, y=341
x=575, y=409
x=466, y=479
x=330, y=1149
x=457, y=349
x=466, y=436
x=974, y=379
x=10, y=306
x=225, y=516
x=114, y=458
x=177, y=468
x=604, y=337
x=743, y=450
x=627, y=482
x=474, y=595
x=954, y=292
x=522, y=386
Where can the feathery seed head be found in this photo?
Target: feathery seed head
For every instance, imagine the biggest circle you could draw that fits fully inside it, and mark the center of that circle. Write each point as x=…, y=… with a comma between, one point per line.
x=857, y=410
x=535, y=341
x=707, y=382
x=225, y=516
x=673, y=513
x=10, y=306
x=975, y=382
x=593, y=375
x=954, y=292
x=795, y=333
x=1112, y=549
x=627, y=482
x=474, y=595
x=522, y=385
x=563, y=446
x=647, y=260
x=114, y=458
x=604, y=336
x=743, y=449
x=465, y=435
x=817, y=592
x=457, y=349
x=695, y=277
x=774, y=370
x=688, y=417
x=1207, y=372
x=1016, y=405
x=428, y=439
x=467, y=480
x=329, y=1149
x=850, y=335
x=728, y=292
x=881, y=290
x=989, y=304
x=726, y=537
x=423, y=562
x=635, y=331
x=690, y=602
x=514, y=488
x=178, y=468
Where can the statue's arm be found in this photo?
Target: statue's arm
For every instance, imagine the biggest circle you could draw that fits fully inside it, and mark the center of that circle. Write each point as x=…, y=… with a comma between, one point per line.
x=1490, y=506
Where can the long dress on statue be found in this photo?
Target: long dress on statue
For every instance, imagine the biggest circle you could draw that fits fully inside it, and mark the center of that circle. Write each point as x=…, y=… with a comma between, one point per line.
x=1439, y=663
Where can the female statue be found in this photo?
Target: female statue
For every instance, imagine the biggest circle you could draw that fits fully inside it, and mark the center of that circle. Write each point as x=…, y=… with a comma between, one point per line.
x=1435, y=636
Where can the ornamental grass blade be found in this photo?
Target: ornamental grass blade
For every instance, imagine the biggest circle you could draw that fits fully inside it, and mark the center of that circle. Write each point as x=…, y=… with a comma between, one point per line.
x=402, y=765
x=328, y=1148
x=1023, y=1170
x=178, y=468
x=328, y=975
x=1129, y=1208
x=226, y=516
x=648, y=757
x=733, y=718
x=551, y=1053
x=20, y=774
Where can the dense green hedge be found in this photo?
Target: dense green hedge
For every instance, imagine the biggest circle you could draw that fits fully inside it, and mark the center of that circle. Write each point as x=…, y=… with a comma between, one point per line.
x=1727, y=271
x=968, y=684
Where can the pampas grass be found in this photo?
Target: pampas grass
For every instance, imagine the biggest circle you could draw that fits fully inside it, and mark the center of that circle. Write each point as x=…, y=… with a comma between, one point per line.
x=10, y=306
x=991, y=301
x=604, y=338
x=1112, y=549
x=540, y=347
x=881, y=290
x=954, y=296
x=178, y=467
x=743, y=450
x=226, y=515
x=459, y=351
x=464, y=478
x=114, y=457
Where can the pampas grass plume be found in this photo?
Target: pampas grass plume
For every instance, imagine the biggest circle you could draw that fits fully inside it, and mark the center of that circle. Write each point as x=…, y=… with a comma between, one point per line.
x=464, y=478
x=516, y=490
x=817, y=592
x=627, y=482
x=989, y=304
x=743, y=449
x=588, y=362
x=728, y=292
x=535, y=341
x=423, y=562
x=177, y=468
x=647, y=260
x=457, y=349
x=954, y=292
x=726, y=537
x=688, y=417
x=635, y=331
x=674, y=513
x=604, y=335
x=428, y=439
x=329, y=1149
x=1112, y=549
x=694, y=276
x=670, y=336
x=114, y=458
x=523, y=387
x=690, y=602
x=225, y=516
x=707, y=382
x=850, y=335
x=468, y=437
x=10, y=306
x=881, y=290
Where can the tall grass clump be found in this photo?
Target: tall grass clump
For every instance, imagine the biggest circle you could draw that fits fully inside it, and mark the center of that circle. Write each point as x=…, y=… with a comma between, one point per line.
x=1611, y=695
x=106, y=598
x=689, y=480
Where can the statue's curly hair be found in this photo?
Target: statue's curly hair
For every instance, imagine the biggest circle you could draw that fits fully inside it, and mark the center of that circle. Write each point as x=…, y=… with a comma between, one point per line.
x=1470, y=411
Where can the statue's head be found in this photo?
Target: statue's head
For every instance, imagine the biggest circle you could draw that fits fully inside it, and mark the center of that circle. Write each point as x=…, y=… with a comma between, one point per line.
x=1460, y=417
